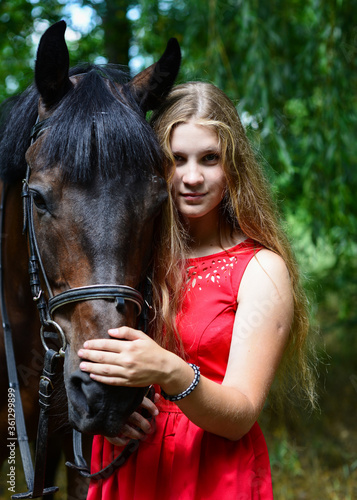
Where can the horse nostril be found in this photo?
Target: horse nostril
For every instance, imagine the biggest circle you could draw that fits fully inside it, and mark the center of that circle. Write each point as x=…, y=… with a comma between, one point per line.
x=77, y=386
x=97, y=408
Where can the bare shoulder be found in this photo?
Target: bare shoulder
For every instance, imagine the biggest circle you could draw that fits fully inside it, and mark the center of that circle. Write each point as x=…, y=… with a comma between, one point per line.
x=265, y=272
x=268, y=261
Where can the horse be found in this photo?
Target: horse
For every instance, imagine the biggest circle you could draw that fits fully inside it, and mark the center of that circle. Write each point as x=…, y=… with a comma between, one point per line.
x=76, y=145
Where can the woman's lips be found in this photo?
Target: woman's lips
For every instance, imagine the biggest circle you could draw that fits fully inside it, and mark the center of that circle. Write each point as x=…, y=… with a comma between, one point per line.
x=192, y=196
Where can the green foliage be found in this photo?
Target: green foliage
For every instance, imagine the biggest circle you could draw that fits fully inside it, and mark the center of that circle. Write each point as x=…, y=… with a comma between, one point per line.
x=283, y=456
x=292, y=66
x=19, y=20
x=22, y=22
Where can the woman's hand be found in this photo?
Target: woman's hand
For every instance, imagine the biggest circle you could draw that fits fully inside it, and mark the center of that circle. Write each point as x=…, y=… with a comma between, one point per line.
x=130, y=358
x=137, y=426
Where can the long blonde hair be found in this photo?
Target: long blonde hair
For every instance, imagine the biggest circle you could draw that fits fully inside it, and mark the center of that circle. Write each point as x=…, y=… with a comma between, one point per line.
x=248, y=204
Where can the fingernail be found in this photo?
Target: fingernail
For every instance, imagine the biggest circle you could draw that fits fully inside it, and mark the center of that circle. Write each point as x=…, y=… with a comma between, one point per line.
x=85, y=345
x=155, y=412
x=82, y=366
x=80, y=353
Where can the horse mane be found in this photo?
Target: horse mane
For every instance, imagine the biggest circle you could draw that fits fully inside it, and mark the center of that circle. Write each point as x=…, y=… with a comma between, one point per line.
x=18, y=115
x=95, y=129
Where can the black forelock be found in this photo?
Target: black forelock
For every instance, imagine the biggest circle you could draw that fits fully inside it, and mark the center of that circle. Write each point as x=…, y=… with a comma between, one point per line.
x=97, y=130
x=94, y=130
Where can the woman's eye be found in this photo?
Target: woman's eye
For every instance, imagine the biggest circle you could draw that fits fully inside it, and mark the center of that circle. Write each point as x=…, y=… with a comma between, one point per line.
x=211, y=158
x=178, y=159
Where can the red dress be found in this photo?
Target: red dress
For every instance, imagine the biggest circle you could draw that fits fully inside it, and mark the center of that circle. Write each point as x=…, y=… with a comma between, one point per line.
x=180, y=461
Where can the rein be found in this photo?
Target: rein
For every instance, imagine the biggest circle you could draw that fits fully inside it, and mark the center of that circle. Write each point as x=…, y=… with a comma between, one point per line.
x=34, y=477
x=119, y=294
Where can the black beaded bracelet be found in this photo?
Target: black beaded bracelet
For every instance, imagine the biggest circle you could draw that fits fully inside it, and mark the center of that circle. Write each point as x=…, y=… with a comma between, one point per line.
x=188, y=390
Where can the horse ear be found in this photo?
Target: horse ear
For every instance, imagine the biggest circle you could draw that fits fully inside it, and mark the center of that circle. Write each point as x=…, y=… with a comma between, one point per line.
x=151, y=85
x=52, y=65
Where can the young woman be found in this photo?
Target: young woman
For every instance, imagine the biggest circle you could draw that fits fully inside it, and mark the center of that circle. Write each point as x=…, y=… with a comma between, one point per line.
x=217, y=346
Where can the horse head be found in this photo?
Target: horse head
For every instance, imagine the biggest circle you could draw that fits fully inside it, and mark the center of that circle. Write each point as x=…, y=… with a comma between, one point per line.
x=96, y=187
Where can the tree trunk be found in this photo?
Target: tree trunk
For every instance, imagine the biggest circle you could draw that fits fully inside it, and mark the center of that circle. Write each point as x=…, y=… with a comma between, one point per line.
x=117, y=29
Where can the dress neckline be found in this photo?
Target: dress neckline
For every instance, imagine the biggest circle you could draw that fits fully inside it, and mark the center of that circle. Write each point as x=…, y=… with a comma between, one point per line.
x=248, y=242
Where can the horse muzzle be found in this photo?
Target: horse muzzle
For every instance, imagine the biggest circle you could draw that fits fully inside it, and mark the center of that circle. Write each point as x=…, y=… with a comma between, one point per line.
x=96, y=408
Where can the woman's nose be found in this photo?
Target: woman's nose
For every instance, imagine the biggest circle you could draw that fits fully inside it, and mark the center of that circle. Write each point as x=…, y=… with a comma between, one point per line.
x=193, y=174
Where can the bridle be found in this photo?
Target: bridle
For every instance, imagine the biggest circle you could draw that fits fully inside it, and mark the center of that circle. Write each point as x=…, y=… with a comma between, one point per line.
x=119, y=294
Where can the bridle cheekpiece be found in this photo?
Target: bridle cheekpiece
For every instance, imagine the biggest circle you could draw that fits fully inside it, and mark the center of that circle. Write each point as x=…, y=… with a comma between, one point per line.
x=116, y=293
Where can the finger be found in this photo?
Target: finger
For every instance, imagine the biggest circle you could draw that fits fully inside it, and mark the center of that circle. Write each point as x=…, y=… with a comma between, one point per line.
x=114, y=381
x=118, y=440
x=107, y=370
x=126, y=333
x=109, y=375
x=104, y=345
x=138, y=422
x=148, y=405
x=106, y=357
x=133, y=432
x=106, y=374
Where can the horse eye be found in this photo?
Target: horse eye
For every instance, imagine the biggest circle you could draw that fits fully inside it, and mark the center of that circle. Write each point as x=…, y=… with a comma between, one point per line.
x=39, y=201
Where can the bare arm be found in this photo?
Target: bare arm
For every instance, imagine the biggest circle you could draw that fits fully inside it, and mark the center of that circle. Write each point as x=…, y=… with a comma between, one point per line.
x=260, y=333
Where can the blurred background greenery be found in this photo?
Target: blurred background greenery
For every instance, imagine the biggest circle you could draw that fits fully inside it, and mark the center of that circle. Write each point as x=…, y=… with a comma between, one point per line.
x=290, y=67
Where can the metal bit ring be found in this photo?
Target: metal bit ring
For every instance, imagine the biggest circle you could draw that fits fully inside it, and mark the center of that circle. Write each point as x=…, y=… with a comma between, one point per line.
x=60, y=334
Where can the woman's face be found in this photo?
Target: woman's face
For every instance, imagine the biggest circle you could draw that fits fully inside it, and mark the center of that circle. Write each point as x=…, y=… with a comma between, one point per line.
x=198, y=182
